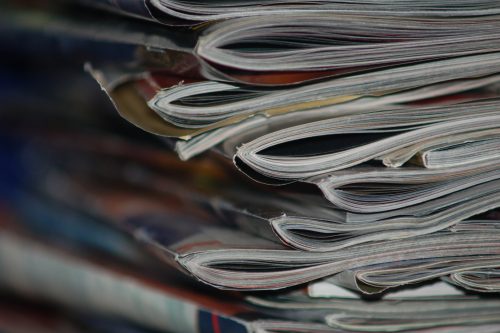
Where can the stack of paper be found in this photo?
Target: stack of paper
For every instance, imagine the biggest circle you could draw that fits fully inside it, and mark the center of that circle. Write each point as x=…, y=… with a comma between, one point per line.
x=344, y=155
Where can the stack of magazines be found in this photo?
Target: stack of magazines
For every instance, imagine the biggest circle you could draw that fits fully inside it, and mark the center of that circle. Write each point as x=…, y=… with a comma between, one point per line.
x=293, y=166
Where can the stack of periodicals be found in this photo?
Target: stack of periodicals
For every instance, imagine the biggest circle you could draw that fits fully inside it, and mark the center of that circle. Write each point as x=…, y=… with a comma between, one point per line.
x=314, y=166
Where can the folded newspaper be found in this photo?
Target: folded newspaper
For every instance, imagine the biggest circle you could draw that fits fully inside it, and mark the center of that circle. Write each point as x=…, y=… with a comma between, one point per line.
x=450, y=313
